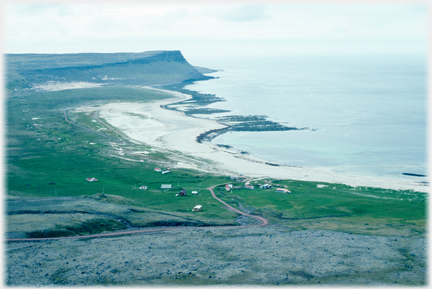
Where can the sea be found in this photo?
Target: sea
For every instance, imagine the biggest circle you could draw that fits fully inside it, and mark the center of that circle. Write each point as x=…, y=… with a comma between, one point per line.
x=366, y=115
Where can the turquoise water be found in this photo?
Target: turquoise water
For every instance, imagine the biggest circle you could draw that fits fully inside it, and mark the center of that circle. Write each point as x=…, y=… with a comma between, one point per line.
x=368, y=115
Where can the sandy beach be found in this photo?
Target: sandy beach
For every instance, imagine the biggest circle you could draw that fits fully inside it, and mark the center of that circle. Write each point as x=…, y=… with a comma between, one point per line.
x=173, y=131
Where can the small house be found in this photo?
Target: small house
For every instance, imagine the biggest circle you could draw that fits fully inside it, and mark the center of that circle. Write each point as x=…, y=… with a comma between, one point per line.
x=197, y=208
x=194, y=193
x=158, y=170
x=143, y=188
x=91, y=179
x=183, y=193
x=166, y=172
x=249, y=187
x=166, y=186
x=265, y=186
x=280, y=190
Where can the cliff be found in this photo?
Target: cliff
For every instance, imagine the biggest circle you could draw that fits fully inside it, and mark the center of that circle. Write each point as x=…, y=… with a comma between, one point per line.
x=145, y=68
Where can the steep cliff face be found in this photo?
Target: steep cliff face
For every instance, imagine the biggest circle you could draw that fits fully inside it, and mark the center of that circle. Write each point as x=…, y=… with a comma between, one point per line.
x=146, y=68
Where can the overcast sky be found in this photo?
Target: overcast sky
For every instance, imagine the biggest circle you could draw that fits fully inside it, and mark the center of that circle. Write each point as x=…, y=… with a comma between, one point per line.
x=198, y=30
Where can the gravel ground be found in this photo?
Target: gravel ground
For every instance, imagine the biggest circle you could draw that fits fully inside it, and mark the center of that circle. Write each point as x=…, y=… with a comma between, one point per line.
x=206, y=256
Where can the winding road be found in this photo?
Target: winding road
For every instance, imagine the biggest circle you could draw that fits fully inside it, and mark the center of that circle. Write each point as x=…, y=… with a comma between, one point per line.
x=264, y=222
x=262, y=219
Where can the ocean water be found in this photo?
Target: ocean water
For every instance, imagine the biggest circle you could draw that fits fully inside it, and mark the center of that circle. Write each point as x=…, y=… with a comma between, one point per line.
x=367, y=115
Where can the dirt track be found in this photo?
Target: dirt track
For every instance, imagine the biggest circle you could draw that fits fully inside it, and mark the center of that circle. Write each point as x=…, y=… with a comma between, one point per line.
x=249, y=255
x=263, y=220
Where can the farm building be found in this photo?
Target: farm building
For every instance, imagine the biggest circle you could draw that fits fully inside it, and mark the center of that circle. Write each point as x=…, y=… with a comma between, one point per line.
x=158, y=170
x=91, y=179
x=143, y=188
x=166, y=172
x=166, y=186
x=249, y=187
x=197, y=208
x=280, y=190
x=265, y=186
x=194, y=193
x=183, y=192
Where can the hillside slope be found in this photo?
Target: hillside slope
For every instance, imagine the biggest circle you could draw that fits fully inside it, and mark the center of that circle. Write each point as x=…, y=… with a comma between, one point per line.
x=146, y=68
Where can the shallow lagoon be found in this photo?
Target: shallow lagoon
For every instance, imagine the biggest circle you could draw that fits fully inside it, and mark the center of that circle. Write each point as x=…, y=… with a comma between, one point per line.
x=367, y=115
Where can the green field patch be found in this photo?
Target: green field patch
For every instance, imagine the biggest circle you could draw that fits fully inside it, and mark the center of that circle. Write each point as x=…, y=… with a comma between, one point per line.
x=90, y=227
x=310, y=206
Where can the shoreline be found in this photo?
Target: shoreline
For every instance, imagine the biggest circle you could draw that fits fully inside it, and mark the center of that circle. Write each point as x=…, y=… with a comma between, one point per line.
x=173, y=131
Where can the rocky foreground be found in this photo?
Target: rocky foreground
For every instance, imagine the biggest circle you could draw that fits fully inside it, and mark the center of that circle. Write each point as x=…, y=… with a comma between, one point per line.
x=271, y=255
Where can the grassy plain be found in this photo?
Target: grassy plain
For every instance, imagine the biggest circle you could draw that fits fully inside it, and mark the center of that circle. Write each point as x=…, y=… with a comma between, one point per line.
x=338, y=207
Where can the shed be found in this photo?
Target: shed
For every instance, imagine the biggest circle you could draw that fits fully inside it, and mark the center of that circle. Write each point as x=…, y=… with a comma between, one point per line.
x=158, y=169
x=143, y=188
x=280, y=190
x=91, y=179
x=197, y=208
x=266, y=186
x=194, y=193
x=166, y=186
x=249, y=187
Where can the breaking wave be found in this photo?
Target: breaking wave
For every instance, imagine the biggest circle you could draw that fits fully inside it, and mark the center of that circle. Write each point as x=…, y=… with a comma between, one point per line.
x=55, y=86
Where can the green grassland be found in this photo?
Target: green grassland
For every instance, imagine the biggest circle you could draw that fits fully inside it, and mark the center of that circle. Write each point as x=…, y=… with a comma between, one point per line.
x=338, y=207
x=48, y=157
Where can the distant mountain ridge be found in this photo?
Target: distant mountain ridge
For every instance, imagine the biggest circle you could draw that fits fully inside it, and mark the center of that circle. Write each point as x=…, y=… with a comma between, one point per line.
x=145, y=68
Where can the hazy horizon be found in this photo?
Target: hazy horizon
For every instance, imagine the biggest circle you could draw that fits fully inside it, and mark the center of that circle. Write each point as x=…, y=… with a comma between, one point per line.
x=202, y=30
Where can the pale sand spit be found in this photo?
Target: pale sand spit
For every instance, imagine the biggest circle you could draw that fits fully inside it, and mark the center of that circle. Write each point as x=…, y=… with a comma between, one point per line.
x=173, y=131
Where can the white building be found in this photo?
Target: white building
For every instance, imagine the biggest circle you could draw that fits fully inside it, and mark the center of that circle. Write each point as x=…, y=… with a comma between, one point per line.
x=197, y=208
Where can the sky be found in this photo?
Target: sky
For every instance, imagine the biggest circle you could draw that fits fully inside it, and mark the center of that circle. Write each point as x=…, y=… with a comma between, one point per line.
x=236, y=28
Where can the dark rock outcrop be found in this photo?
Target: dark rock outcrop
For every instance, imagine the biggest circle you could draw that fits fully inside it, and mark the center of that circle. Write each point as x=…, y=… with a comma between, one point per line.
x=146, y=68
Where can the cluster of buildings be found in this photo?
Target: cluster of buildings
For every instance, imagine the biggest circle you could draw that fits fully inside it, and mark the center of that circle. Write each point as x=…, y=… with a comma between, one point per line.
x=229, y=187
x=159, y=170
